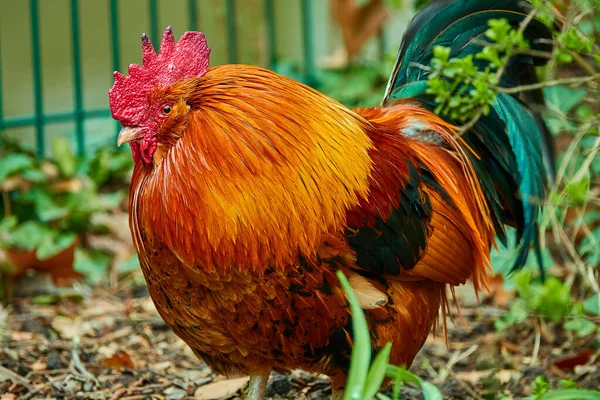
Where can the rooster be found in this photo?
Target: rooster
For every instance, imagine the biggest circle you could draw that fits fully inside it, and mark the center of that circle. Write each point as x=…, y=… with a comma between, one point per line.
x=250, y=190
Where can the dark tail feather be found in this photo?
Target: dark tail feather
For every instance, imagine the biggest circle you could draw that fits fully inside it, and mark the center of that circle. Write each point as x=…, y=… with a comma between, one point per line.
x=536, y=101
x=516, y=161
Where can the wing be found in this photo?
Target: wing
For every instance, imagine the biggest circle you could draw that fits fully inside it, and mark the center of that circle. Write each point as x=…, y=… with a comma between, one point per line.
x=425, y=216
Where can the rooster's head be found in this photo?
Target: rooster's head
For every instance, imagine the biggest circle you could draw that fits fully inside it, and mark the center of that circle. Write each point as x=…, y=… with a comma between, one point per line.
x=151, y=103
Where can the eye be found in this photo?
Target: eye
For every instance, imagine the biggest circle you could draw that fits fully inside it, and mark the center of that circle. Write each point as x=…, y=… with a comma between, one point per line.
x=167, y=110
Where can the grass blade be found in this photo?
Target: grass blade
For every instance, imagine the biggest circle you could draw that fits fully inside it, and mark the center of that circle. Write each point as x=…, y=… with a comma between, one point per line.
x=377, y=371
x=361, y=349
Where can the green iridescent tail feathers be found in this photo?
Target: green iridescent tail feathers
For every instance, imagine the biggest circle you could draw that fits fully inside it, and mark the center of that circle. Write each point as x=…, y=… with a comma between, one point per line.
x=515, y=163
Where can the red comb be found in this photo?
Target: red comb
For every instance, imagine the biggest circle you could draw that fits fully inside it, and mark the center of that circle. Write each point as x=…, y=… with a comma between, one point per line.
x=185, y=59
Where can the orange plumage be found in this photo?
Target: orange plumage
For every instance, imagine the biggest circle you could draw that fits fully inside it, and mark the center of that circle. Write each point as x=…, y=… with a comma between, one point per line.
x=251, y=190
x=240, y=223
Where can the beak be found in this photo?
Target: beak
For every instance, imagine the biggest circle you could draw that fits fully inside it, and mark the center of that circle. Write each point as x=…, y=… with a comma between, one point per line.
x=128, y=134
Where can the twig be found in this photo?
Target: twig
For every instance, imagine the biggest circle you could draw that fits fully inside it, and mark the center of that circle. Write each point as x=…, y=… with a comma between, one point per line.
x=77, y=361
x=535, y=53
x=456, y=357
x=536, y=346
x=118, y=334
x=556, y=82
x=583, y=64
x=465, y=386
x=47, y=372
x=6, y=201
x=18, y=379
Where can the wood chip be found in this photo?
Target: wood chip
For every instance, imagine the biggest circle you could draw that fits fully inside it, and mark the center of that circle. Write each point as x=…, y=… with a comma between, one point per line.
x=221, y=389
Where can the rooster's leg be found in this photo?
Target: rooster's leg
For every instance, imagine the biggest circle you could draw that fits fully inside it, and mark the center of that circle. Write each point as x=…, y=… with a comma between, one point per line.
x=257, y=387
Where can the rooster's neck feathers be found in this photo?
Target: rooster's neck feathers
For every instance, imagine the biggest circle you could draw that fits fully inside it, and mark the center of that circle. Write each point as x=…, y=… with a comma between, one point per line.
x=248, y=186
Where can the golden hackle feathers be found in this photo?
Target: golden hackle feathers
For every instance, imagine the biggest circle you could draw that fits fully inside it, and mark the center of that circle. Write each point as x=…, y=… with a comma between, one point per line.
x=261, y=186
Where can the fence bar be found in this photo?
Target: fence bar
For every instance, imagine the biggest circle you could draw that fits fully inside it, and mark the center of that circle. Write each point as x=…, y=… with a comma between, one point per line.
x=1, y=91
x=193, y=15
x=382, y=42
x=271, y=38
x=231, y=31
x=38, y=91
x=77, y=85
x=53, y=118
x=114, y=40
x=307, y=35
x=154, y=35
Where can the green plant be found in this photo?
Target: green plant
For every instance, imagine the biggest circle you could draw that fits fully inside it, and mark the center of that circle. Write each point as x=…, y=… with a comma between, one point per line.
x=569, y=391
x=49, y=204
x=465, y=89
x=359, y=84
x=365, y=377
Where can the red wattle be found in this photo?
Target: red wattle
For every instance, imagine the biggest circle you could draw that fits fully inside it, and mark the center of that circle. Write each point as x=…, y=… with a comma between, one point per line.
x=148, y=147
x=135, y=151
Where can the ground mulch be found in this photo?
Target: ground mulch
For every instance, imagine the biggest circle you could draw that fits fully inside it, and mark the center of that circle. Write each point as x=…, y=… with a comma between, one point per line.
x=113, y=345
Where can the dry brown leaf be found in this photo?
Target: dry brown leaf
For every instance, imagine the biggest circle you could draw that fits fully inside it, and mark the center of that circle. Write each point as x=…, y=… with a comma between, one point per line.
x=66, y=327
x=8, y=396
x=583, y=357
x=39, y=365
x=119, y=360
x=500, y=296
x=221, y=389
x=14, y=183
x=68, y=185
x=506, y=375
x=472, y=376
x=19, y=336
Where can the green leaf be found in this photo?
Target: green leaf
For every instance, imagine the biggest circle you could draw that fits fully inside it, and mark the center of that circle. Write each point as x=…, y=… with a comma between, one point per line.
x=377, y=372
x=130, y=265
x=46, y=206
x=8, y=223
x=563, y=98
x=591, y=305
x=93, y=264
x=518, y=312
x=583, y=327
x=498, y=31
x=578, y=191
x=54, y=244
x=13, y=163
x=552, y=299
x=45, y=299
x=28, y=235
x=430, y=391
x=361, y=349
x=540, y=386
x=568, y=384
x=568, y=394
x=64, y=156
x=441, y=53
x=572, y=40
x=34, y=175
x=564, y=56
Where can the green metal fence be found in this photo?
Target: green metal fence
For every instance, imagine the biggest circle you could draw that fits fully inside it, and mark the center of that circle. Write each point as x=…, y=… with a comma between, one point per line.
x=41, y=118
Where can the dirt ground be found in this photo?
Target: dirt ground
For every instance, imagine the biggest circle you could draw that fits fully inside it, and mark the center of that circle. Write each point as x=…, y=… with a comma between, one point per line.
x=113, y=345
